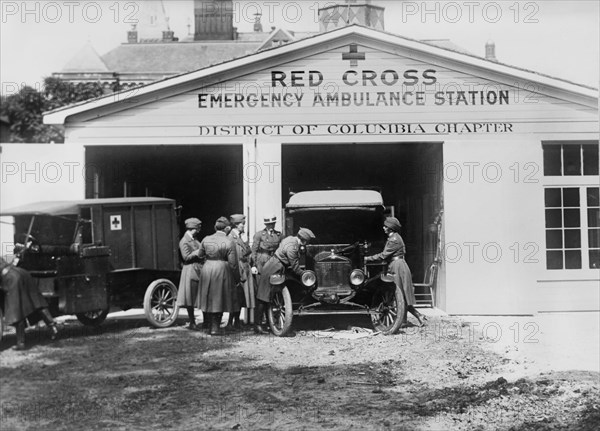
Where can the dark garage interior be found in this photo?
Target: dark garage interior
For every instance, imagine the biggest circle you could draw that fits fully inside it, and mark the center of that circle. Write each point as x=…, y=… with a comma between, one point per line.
x=206, y=181
x=408, y=175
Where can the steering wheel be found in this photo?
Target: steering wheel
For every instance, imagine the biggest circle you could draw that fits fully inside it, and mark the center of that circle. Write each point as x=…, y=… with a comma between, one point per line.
x=30, y=243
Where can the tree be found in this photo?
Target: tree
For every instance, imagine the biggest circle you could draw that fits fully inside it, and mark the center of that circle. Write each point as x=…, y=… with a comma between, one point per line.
x=25, y=109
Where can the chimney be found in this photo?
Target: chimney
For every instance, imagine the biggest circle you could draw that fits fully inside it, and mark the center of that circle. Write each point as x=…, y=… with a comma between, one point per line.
x=257, y=25
x=490, y=51
x=132, y=35
x=213, y=20
x=168, y=36
x=351, y=12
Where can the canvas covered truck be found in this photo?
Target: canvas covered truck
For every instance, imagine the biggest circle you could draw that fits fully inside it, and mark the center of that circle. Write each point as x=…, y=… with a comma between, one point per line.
x=93, y=254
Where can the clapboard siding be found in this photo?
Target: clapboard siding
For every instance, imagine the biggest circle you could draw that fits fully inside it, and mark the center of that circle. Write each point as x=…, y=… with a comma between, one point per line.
x=178, y=116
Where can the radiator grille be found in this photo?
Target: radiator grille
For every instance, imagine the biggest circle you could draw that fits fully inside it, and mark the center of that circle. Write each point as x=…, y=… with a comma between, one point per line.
x=333, y=277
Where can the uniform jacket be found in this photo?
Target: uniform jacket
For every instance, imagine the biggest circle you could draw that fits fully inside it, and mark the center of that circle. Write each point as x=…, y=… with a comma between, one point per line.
x=393, y=253
x=188, y=283
x=288, y=253
x=264, y=245
x=219, y=274
x=286, y=256
x=244, y=252
x=394, y=247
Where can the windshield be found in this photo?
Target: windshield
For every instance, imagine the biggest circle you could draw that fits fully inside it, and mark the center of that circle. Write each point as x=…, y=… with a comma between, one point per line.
x=47, y=230
x=339, y=226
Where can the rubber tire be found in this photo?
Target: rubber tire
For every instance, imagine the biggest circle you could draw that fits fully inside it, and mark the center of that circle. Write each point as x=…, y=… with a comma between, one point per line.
x=97, y=320
x=398, y=298
x=281, y=323
x=171, y=299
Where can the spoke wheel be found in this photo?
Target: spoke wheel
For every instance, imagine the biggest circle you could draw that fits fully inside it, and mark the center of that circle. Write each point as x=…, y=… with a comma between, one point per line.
x=390, y=308
x=160, y=303
x=280, y=312
x=92, y=318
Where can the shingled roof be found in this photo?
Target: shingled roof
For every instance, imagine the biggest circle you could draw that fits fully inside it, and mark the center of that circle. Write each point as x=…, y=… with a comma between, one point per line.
x=174, y=58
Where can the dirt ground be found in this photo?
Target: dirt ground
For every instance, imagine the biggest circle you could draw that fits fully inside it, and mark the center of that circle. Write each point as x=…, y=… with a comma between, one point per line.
x=332, y=373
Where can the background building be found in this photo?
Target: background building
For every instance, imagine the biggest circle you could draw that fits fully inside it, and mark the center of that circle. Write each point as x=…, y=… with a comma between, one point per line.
x=507, y=157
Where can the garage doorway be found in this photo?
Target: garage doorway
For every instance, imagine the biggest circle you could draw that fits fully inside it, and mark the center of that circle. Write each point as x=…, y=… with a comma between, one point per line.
x=408, y=175
x=206, y=181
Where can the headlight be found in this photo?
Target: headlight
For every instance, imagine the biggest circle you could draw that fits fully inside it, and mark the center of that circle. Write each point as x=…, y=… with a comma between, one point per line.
x=309, y=278
x=357, y=277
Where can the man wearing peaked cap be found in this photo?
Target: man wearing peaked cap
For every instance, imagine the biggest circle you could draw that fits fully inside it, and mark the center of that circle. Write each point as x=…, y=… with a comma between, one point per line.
x=264, y=243
x=189, y=247
x=287, y=256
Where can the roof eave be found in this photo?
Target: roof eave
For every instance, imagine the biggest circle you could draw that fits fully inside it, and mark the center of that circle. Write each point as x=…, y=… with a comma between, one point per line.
x=589, y=95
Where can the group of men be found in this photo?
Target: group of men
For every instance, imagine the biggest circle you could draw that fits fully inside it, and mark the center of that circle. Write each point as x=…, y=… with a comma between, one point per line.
x=223, y=274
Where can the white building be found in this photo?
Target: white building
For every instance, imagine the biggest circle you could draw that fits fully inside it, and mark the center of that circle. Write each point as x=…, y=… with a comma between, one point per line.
x=507, y=156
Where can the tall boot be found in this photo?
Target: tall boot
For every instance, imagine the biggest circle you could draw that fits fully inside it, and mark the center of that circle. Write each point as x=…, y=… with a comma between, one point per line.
x=50, y=323
x=192, y=325
x=206, y=321
x=215, y=324
x=258, y=314
x=233, y=323
x=20, y=327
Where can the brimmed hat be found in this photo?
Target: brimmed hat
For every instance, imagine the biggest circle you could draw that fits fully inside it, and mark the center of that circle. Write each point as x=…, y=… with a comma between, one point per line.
x=392, y=223
x=237, y=218
x=221, y=223
x=270, y=218
x=306, y=234
x=193, y=223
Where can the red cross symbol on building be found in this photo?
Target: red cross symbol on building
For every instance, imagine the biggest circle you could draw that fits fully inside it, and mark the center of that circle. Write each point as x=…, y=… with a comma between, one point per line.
x=353, y=55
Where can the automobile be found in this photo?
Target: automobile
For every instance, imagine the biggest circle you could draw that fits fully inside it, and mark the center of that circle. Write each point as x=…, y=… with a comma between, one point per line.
x=348, y=225
x=89, y=255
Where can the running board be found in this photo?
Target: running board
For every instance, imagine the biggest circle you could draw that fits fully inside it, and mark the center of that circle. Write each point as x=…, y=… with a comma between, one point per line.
x=322, y=312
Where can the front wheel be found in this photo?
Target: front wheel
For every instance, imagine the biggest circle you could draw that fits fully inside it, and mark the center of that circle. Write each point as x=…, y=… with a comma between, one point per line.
x=281, y=312
x=160, y=303
x=92, y=318
x=390, y=308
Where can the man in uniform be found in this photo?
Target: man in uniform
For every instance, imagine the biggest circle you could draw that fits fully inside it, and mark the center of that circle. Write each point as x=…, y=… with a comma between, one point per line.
x=265, y=243
x=287, y=257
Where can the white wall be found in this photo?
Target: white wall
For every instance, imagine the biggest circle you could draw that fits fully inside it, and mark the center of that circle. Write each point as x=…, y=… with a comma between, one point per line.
x=37, y=172
x=494, y=207
x=267, y=185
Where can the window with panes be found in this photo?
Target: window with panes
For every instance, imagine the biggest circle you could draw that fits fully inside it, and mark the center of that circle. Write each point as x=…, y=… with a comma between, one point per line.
x=571, y=201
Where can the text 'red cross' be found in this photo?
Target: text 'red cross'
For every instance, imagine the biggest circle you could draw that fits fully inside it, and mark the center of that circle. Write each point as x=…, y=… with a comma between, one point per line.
x=353, y=55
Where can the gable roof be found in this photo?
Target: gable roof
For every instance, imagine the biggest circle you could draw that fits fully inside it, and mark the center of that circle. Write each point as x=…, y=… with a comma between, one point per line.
x=104, y=105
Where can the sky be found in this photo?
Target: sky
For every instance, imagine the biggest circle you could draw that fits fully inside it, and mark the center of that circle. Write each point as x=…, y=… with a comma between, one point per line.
x=556, y=37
